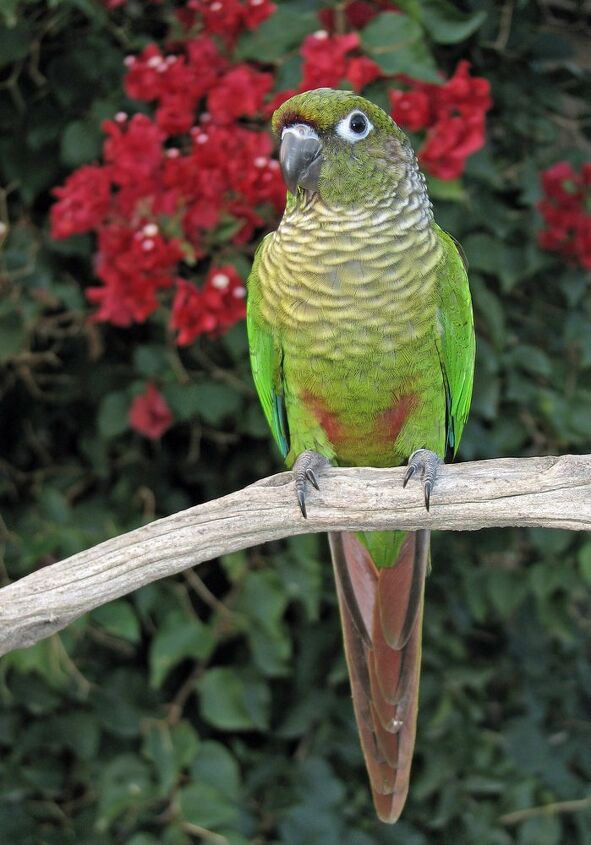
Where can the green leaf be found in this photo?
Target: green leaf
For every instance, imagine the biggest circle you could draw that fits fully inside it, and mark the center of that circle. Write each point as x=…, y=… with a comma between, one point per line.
x=445, y=189
x=122, y=701
x=81, y=143
x=125, y=785
x=215, y=765
x=395, y=42
x=181, y=637
x=446, y=24
x=8, y=12
x=280, y=33
x=15, y=41
x=584, y=560
x=233, y=701
x=217, y=402
x=12, y=335
x=119, y=619
x=204, y=805
x=150, y=360
x=489, y=310
x=544, y=830
x=55, y=505
x=482, y=252
x=531, y=359
x=113, y=414
x=79, y=731
x=211, y=401
x=262, y=602
x=506, y=590
x=170, y=749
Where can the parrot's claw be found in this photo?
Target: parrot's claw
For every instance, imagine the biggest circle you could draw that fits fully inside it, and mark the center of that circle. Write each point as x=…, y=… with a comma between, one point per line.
x=304, y=470
x=426, y=463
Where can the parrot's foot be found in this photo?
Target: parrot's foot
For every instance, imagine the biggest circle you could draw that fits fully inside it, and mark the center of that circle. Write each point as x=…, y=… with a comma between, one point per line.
x=426, y=463
x=304, y=470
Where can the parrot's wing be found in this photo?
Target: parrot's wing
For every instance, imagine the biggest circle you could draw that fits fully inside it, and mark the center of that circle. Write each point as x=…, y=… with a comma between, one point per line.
x=266, y=358
x=455, y=339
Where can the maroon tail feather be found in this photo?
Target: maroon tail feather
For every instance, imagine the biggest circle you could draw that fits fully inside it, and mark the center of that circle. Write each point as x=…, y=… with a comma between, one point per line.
x=381, y=614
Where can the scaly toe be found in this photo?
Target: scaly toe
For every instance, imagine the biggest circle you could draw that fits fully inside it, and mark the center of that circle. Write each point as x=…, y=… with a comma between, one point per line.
x=425, y=463
x=306, y=465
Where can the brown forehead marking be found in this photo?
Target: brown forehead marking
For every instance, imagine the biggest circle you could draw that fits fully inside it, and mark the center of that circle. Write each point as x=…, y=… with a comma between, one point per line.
x=292, y=116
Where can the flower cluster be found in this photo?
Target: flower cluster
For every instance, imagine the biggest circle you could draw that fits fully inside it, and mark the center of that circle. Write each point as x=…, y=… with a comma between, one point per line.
x=328, y=63
x=566, y=210
x=226, y=18
x=167, y=182
x=210, y=309
x=453, y=114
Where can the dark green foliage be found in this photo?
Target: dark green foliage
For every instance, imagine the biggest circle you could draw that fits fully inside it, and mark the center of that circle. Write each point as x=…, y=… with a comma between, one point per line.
x=221, y=702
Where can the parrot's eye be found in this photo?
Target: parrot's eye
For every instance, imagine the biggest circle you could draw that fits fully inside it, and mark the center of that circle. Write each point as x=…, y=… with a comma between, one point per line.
x=357, y=123
x=354, y=127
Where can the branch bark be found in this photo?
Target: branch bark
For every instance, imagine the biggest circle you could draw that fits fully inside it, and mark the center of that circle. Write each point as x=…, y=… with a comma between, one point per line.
x=545, y=492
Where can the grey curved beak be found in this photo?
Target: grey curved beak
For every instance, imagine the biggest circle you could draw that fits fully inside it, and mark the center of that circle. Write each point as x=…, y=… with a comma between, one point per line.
x=300, y=157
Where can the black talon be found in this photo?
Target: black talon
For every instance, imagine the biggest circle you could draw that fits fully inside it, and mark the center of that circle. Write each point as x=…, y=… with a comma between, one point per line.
x=312, y=478
x=411, y=469
x=427, y=491
x=302, y=502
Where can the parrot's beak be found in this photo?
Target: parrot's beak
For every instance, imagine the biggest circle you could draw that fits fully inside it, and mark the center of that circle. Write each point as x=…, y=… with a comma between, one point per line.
x=300, y=157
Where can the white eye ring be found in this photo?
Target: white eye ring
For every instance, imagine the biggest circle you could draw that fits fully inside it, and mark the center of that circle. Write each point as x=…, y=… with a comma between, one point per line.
x=345, y=131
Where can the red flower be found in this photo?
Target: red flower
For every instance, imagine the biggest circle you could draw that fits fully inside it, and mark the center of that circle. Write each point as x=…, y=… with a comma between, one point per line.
x=358, y=13
x=325, y=59
x=411, y=109
x=564, y=210
x=133, y=148
x=133, y=266
x=453, y=113
x=449, y=142
x=82, y=203
x=216, y=306
x=562, y=185
x=257, y=11
x=361, y=71
x=464, y=94
x=149, y=414
x=582, y=244
x=228, y=17
x=143, y=80
x=176, y=114
x=240, y=92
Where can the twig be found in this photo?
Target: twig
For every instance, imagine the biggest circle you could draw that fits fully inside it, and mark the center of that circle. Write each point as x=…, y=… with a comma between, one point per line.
x=542, y=492
x=546, y=810
x=208, y=835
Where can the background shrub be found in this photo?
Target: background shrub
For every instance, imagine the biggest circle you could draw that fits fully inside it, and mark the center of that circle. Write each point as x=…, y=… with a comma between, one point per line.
x=138, y=179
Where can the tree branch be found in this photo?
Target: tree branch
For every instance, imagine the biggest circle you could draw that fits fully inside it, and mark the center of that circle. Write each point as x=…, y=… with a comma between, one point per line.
x=546, y=492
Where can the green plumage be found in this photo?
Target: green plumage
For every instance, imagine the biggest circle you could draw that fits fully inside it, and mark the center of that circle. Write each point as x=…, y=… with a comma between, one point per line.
x=359, y=312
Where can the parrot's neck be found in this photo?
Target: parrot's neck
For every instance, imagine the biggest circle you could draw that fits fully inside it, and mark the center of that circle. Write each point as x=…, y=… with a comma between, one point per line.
x=371, y=264
x=400, y=204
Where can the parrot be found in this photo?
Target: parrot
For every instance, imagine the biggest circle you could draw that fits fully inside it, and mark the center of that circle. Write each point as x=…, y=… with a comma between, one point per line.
x=361, y=343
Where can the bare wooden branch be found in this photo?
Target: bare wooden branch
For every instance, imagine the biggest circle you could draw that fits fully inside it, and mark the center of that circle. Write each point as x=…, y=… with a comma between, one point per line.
x=547, y=492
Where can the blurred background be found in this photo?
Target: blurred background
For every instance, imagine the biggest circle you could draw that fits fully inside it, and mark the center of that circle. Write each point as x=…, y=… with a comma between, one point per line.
x=138, y=176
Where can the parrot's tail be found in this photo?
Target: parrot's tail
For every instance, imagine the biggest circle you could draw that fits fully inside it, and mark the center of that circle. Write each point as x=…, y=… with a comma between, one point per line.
x=382, y=613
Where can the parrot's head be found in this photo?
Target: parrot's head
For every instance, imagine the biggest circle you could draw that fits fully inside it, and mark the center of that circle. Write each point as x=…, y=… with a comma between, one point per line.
x=340, y=146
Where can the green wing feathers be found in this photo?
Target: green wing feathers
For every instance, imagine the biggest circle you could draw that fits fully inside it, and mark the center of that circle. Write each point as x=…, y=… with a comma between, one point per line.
x=455, y=339
x=266, y=359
